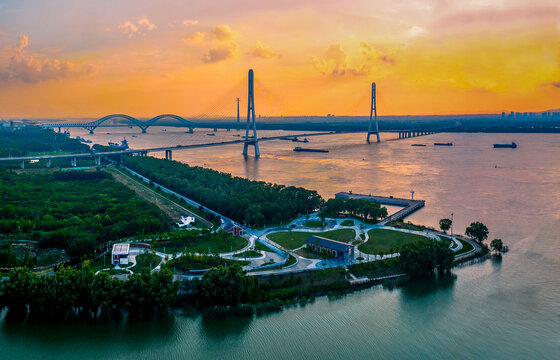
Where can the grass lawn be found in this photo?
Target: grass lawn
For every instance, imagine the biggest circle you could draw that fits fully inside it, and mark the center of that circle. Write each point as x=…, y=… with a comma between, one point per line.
x=382, y=240
x=259, y=246
x=146, y=261
x=295, y=239
x=248, y=254
x=466, y=247
x=203, y=244
x=98, y=263
x=308, y=254
x=347, y=223
x=377, y=268
x=291, y=261
x=186, y=263
x=313, y=224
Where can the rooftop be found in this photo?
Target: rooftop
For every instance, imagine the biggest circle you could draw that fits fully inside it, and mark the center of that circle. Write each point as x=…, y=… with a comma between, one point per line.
x=328, y=243
x=121, y=248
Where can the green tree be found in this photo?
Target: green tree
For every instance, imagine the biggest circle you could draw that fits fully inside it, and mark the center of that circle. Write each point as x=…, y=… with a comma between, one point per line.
x=477, y=231
x=225, y=286
x=445, y=224
x=497, y=245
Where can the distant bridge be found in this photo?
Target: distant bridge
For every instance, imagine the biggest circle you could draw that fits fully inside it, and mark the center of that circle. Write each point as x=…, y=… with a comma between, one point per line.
x=129, y=121
x=249, y=139
x=143, y=152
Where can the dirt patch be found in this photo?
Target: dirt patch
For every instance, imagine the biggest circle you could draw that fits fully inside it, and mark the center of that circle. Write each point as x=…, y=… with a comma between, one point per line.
x=173, y=210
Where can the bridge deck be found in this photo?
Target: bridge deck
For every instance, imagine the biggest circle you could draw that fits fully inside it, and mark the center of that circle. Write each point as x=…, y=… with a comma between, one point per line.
x=159, y=149
x=410, y=205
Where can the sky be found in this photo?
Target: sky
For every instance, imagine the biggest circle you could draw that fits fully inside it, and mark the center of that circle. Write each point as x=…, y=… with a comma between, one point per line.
x=73, y=58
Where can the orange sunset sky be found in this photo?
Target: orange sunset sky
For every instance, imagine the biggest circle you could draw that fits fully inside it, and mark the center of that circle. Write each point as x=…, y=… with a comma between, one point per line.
x=72, y=58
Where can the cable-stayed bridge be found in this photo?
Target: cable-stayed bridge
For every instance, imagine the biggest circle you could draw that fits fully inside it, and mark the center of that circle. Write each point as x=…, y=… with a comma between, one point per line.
x=250, y=139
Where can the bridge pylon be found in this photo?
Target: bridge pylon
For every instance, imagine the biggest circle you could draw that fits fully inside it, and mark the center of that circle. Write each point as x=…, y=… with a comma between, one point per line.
x=251, y=140
x=373, y=114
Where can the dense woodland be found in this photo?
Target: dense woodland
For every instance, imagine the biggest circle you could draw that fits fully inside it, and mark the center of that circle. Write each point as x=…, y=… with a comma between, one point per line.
x=253, y=202
x=71, y=293
x=32, y=139
x=421, y=257
x=366, y=210
x=75, y=211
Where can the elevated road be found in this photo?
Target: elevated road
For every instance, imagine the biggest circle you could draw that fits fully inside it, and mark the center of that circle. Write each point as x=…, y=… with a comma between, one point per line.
x=166, y=149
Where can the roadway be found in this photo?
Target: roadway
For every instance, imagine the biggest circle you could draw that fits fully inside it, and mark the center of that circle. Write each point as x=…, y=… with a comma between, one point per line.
x=166, y=148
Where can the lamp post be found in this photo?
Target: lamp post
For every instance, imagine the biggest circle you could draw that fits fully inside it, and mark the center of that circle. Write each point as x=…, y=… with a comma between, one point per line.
x=451, y=224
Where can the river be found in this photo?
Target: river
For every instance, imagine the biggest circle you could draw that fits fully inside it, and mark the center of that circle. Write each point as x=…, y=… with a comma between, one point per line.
x=492, y=309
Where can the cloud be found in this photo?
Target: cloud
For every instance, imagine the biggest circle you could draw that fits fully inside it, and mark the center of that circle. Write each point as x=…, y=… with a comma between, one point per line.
x=23, y=41
x=144, y=22
x=417, y=31
x=264, y=52
x=128, y=28
x=195, y=38
x=32, y=68
x=555, y=84
x=222, y=32
x=190, y=22
x=336, y=62
x=220, y=53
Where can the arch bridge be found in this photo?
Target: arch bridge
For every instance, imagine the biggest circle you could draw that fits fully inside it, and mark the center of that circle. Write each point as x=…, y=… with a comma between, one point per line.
x=129, y=121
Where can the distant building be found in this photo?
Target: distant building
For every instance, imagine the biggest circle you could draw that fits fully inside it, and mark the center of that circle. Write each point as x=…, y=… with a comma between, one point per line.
x=336, y=249
x=119, y=254
x=233, y=229
x=186, y=221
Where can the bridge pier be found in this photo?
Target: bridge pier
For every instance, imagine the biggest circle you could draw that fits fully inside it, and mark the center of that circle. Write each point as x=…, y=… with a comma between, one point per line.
x=59, y=130
x=144, y=129
x=191, y=130
x=98, y=160
x=49, y=163
x=22, y=164
x=74, y=162
x=168, y=155
x=91, y=131
x=255, y=144
x=215, y=129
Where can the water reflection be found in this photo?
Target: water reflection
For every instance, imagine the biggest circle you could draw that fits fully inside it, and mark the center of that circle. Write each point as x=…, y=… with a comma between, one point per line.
x=224, y=328
x=428, y=286
x=251, y=166
x=70, y=333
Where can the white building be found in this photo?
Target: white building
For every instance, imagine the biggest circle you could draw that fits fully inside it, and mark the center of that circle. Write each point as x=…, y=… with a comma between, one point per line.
x=186, y=221
x=120, y=254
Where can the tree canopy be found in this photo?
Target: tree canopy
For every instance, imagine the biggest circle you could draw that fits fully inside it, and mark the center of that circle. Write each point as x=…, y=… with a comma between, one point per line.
x=246, y=201
x=421, y=257
x=359, y=208
x=225, y=286
x=71, y=293
x=445, y=224
x=477, y=231
x=75, y=211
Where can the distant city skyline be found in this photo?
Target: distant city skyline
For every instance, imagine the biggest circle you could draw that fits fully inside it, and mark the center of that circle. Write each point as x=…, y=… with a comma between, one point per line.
x=88, y=59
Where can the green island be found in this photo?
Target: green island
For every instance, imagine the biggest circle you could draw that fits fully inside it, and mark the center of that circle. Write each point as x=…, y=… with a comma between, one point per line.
x=57, y=229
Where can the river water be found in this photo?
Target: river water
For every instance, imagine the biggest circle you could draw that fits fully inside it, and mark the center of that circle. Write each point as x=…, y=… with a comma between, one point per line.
x=496, y=310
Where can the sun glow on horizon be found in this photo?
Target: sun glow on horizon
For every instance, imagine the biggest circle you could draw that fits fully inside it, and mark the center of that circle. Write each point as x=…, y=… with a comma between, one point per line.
x=310, y=58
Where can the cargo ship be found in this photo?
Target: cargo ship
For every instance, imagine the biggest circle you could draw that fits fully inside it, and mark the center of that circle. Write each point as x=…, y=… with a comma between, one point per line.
x=418, y=145
x=122, y=146
x=510, y=146
x=297, y=148
x=443, y=144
